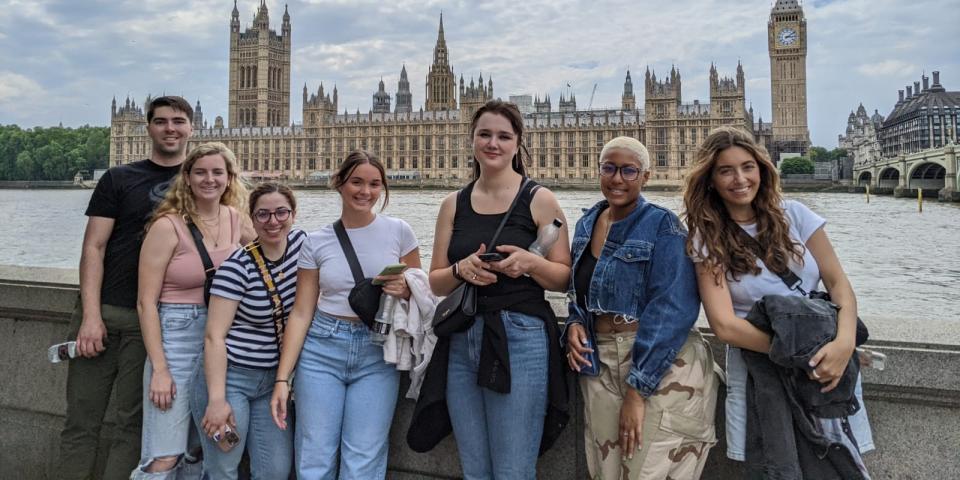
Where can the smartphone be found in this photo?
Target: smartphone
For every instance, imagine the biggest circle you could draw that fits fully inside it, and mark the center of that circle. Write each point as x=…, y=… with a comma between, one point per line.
x=390, y=270
x=490, y=256
x=228, y=440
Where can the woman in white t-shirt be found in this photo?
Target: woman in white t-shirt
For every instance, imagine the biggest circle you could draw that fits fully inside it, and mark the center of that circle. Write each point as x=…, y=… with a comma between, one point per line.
x=345, y=392
x=734, y=185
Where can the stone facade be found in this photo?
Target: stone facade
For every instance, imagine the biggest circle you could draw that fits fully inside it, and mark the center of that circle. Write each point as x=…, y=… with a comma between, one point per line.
x=862, y=141
x=431, y=143
x=259, y=58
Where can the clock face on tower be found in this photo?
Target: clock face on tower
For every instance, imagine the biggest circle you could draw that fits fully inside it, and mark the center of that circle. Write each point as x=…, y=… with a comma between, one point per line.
x=787, y=37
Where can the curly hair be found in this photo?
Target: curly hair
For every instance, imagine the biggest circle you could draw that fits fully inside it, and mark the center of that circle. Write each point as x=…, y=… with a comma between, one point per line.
x=179, y=198
x=710, y=224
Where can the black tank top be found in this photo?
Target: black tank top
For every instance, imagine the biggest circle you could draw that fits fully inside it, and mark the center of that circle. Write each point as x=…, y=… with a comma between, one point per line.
x=470, y=229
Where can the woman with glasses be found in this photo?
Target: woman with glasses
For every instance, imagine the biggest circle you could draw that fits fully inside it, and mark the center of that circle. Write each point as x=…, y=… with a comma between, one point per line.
x=345, y=391
x=207, y=196
x=646, y=373
x=251, y=296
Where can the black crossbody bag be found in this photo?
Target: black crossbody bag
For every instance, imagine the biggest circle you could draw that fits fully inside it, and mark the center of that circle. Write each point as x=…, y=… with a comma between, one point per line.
x=456, y=311
x=364, y=297
x=208, y=268
x=793, y=282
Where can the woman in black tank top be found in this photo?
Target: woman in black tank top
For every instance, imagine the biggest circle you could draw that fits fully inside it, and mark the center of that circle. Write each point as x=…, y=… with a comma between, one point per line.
x=501, y=379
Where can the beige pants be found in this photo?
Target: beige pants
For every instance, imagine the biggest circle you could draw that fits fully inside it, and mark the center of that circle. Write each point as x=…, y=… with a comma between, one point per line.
x=678, y=425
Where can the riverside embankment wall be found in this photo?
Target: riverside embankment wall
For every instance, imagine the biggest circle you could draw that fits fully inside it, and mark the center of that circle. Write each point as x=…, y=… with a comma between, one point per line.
x=914, y=404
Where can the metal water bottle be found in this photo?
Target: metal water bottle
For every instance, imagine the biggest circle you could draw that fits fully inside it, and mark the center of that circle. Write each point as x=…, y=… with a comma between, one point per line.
x=383, y=320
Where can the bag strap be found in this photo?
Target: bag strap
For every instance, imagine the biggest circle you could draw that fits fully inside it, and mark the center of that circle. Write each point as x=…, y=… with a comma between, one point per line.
x=791, y=279
x=348, y=251
x=493, y=241
x=208, y=268
x=253, y=249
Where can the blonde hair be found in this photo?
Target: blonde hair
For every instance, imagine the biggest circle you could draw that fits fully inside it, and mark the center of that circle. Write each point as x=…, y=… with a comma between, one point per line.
x=179, y=198
x=631, y=145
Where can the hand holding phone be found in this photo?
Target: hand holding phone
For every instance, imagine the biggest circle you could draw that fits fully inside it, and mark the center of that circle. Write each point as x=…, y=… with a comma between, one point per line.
x=394, y=269
x=228, y=440
x=490, y=257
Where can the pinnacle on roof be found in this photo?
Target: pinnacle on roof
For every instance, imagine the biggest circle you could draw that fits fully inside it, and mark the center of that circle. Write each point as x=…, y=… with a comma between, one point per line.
x=787, y=6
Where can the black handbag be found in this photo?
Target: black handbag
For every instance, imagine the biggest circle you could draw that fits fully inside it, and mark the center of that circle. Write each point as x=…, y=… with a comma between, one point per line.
x=793, y=281
x=208, y=269
x=456, y=311
x=364, y=297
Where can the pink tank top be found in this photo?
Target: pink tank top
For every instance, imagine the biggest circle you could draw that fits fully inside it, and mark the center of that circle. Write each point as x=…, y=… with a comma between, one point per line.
x=183, y=280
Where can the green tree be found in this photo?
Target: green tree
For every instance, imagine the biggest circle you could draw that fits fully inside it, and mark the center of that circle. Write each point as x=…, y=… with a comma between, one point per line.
x=818, y=154
x=794, y=165
x=51, y=153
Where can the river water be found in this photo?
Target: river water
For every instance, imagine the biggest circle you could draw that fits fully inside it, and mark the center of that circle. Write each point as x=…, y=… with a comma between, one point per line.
x=903, y=264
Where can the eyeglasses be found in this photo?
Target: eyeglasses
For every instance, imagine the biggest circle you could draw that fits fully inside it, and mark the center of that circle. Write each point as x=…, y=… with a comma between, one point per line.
x=627, y=172
x=263, y=216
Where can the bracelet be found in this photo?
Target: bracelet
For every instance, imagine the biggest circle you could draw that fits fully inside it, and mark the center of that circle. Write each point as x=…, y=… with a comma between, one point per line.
x=282, y=381
x=456, y=271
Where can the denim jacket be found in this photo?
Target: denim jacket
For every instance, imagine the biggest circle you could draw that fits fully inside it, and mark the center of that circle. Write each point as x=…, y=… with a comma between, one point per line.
x=644, y=275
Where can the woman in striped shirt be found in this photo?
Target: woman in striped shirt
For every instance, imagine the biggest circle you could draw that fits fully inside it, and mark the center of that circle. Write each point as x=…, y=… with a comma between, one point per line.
x=242, y=343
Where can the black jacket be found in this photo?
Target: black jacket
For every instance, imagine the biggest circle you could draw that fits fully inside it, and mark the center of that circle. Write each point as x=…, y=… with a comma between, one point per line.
x=431, y=418
x=784, y=439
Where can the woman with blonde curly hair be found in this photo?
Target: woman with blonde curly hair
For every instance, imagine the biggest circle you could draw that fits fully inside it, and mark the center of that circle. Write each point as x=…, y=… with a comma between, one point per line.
x=209, y=195
x=731, y=194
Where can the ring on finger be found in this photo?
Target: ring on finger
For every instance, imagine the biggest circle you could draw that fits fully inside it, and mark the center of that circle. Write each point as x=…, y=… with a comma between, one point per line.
x=474, y=277
x=815, y=374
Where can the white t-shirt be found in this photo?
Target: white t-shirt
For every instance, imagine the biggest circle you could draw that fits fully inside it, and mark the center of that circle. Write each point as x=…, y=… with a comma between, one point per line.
x=383, y=242
x=803, y=223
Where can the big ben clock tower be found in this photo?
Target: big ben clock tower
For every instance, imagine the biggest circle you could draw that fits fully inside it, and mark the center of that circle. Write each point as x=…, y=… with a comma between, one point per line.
x=787, y=43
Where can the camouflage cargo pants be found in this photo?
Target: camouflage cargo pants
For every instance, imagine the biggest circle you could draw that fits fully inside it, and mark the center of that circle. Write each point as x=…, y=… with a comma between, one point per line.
x=678, y=426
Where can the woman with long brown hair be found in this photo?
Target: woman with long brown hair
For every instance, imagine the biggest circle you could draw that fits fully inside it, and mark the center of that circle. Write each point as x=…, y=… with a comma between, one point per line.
x=208, y=194
x=734, y=189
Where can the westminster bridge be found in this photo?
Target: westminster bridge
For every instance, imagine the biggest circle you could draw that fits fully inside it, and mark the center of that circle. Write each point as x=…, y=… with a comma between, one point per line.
x=930, y=170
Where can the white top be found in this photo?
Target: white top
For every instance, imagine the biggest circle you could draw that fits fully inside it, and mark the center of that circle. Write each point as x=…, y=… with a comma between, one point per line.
x=803, y=223
x=252, y=339
x=383, y=242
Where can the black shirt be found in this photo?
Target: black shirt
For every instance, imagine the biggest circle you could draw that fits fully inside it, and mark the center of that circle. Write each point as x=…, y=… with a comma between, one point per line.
x=128, y=194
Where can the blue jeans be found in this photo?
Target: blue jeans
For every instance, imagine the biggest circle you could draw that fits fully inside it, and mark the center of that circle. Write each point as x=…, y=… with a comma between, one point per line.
x=498, y=434
x=345, y=396
x=248, y=391
x=172, y=432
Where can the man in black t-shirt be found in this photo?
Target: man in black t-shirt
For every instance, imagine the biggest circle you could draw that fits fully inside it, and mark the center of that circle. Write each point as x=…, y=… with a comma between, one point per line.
x=109, y=344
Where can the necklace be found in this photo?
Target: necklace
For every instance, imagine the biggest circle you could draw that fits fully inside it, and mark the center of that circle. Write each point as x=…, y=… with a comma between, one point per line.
x=206, y=224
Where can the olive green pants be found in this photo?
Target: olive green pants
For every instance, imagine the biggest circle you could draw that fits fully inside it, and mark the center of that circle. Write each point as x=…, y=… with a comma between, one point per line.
x=90, y=382
x=678, y=425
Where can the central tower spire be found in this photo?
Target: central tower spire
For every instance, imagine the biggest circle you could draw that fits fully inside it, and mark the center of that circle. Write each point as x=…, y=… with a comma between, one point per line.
x=441, y=82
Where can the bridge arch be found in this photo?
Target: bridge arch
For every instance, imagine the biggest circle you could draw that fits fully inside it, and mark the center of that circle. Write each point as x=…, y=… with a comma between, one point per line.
x=927, y=175
x=864, y=179
x=889, y=178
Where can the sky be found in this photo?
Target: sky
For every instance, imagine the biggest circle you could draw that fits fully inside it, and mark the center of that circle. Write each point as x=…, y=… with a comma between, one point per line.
x=63, y=61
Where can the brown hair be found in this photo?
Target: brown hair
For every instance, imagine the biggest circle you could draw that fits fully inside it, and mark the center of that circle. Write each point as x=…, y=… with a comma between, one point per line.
x=710, y=223
x=266, y=188
x=179, y=198
x=512, y=114
x=349, y=164
x=177, y=103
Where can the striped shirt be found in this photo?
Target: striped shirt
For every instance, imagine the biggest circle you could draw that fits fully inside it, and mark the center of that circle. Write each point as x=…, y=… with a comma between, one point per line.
x=252, y=339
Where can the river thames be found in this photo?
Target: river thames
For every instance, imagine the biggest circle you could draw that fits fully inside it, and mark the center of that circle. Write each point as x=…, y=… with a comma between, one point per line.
x=903, y=264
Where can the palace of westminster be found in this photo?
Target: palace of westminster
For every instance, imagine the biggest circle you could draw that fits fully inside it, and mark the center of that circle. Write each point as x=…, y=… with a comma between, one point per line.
x=431, y=143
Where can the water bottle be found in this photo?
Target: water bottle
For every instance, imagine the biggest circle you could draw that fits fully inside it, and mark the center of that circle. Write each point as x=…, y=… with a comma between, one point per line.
x=383, y=320
x=547, y=236
x=62, y=351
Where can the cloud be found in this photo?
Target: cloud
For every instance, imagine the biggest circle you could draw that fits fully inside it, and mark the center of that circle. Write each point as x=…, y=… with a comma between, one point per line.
x=886, y=67
x=16, y=87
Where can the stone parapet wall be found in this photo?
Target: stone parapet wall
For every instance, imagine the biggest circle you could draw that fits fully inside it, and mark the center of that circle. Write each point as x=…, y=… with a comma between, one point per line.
x=914, y=404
